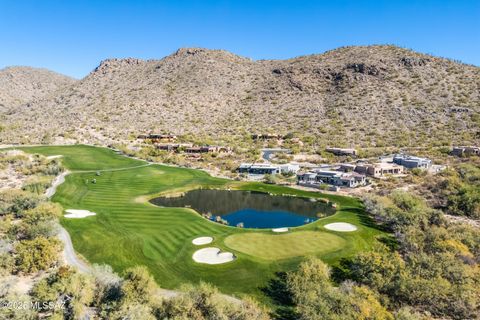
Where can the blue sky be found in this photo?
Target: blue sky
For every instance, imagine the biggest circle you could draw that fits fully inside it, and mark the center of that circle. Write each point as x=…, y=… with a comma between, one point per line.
x=72, y=37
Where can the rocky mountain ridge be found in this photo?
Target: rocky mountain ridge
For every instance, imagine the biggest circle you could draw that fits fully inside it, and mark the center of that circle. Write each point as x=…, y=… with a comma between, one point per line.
x=20, y=85
x=363, y=96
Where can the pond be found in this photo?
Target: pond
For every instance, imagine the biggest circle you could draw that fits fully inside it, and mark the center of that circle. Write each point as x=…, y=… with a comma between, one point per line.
x=252, y=209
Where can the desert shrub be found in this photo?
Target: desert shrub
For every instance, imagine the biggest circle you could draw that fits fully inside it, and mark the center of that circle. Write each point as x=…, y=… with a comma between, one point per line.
x=18, y=313
x=131, y=311
x=407, y=313
x=73, y=290
x=458, y=190
x=7, y=264
x=37, y=184
x=45, y=211
x=465, y=201
x=45, y=229
x=204, y=302
x=400, y=210
x=38, y=222
x=467, y=235
x=37, y=254
x=138, y=286
x=436, y=268
x=16, y=202
x=107, y=284
x=270, y=178
x=39, y=166
x=134, y=297
x=316, y=297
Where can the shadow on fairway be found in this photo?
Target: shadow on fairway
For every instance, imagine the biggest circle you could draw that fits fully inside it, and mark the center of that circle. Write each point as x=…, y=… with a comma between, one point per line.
x=281, y=297
x=365, y=219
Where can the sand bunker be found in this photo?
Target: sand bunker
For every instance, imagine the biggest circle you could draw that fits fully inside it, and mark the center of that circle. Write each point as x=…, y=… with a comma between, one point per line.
x=212, y=256
x=54, y=157
x=280, y=230
x=202, y=240
x=75, y=213
x=340, y=226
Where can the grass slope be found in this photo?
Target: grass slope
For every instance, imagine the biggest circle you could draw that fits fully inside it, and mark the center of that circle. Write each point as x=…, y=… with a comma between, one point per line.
x=129, y=231
x=82, y=157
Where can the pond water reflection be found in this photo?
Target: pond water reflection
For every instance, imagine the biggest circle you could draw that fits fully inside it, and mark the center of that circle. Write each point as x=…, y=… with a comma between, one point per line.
x=253, y=209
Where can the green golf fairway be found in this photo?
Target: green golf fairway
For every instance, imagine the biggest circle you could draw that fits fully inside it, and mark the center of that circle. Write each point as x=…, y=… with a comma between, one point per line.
x=127, y=230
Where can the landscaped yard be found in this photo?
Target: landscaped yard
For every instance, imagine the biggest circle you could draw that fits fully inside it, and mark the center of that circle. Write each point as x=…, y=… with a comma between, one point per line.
x=127, y=230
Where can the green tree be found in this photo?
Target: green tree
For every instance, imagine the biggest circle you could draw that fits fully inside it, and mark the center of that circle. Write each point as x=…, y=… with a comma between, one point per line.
x=316, y=298
x=138, y=286
x=436, y=269
x=204, y=302
x=381, y=270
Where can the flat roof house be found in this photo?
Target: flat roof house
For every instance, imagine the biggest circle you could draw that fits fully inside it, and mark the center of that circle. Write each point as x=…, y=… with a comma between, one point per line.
x=353, y=179
x=289, y=168
x=173, y=146
x=336, y=178
x=157, y=137
x=342, y=151
x=266, y=136
x=258, y=168
x=466, y=150
x=412, y=162
x=328, y=177
x=378, y=170
x=267, y=168
x=307, y=178
x=347, y=167
x=206, y=149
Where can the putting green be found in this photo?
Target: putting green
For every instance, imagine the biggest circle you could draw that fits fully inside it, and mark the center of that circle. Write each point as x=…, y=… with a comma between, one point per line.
x=127, y=230
x=276, y=247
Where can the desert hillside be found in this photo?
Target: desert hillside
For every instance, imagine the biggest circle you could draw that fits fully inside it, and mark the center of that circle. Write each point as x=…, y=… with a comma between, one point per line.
x=365, y=96
x=21, y=85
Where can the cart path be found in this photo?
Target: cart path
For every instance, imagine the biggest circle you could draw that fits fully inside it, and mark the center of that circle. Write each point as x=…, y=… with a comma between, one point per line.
x=56, y=182
x=69, y=254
